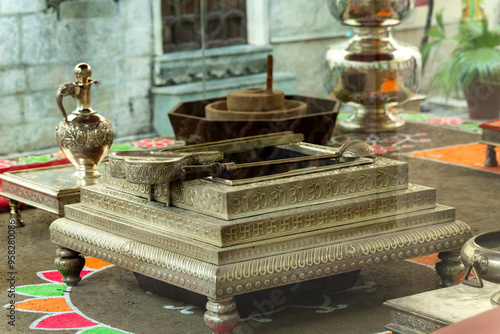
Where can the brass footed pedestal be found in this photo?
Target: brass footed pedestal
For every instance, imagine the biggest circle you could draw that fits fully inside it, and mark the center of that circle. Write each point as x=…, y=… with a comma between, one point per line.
x=368, y=119
x=48, y=188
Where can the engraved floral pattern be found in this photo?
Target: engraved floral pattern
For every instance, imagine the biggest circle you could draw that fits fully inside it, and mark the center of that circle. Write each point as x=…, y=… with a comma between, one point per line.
x=31, y=195
x=78, y=135
x=148, y=171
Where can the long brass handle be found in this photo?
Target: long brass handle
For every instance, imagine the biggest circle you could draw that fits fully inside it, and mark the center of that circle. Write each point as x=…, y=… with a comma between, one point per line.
x=243, y=144
x=195, y=172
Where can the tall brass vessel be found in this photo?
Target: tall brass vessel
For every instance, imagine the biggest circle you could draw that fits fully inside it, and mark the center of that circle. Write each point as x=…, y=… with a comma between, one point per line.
x=372, y=72
x=84, y=136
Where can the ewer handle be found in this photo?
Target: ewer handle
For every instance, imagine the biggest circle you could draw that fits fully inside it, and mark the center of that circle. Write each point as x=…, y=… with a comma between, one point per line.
x=68, y=88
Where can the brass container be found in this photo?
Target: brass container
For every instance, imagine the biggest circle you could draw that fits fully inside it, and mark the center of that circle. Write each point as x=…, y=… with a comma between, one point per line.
x=84, y=136
x=372, y=72
x=481, y=257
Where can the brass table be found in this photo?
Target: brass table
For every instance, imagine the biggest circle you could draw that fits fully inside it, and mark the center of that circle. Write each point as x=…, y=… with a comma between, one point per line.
x=426, y=312
x=48, y=188
x=491, y=138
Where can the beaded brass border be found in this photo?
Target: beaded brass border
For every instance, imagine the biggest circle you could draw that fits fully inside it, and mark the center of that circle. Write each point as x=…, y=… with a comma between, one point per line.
x=247, y=276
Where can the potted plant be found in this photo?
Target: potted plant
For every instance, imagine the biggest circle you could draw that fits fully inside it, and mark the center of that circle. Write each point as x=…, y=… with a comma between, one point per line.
x=473, y=67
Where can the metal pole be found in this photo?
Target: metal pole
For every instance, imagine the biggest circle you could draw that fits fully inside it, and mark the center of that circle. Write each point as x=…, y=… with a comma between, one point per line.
x=203, y=65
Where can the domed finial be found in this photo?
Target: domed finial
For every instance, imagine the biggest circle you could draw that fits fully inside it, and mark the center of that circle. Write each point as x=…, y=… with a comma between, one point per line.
x=83, y=72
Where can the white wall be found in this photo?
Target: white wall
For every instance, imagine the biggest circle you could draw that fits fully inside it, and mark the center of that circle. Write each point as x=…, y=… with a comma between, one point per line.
x=39, y=48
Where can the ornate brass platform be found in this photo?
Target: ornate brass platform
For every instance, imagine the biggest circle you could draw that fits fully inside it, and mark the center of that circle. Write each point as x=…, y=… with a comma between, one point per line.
x=48, y=188
x=221, y=239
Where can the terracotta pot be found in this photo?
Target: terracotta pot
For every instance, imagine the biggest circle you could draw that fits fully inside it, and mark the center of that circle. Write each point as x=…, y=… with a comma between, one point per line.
x=483, y=103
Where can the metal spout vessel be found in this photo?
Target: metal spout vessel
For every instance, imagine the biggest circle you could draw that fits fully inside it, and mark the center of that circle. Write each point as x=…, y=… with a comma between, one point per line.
x=85, y=137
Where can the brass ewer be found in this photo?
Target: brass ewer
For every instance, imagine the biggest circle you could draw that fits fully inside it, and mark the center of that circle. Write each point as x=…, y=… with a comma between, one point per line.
x=84, y=136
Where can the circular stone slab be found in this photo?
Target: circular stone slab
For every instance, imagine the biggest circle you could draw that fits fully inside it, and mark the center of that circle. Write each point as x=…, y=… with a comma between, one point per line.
x=255, y=99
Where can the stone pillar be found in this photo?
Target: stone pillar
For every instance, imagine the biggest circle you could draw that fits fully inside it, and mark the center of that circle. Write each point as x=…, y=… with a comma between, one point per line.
x=258, y=22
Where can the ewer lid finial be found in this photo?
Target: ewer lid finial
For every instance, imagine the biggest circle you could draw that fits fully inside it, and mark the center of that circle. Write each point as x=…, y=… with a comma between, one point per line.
x=83, y=72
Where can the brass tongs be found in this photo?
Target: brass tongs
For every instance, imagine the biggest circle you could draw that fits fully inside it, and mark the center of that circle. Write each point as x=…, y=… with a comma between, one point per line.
x=155, y=167
x=350, y=150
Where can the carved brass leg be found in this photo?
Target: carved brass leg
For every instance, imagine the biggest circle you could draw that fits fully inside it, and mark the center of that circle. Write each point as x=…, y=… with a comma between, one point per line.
x=450, y=268
x=491, y=157
x=221, y=315
x=69, y=263
x=15, y=214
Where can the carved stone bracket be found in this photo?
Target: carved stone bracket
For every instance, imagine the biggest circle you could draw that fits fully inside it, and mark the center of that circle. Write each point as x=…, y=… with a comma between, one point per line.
x=187, y=67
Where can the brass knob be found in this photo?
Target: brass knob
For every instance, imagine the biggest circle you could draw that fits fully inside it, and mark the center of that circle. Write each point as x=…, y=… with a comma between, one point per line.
x=83, y=72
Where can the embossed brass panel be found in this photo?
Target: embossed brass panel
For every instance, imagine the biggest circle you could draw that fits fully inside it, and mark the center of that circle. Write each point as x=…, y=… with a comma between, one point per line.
x=162, y=236
x=221, y=232
x=230, y=202
x=490, y=137
x=246, y=276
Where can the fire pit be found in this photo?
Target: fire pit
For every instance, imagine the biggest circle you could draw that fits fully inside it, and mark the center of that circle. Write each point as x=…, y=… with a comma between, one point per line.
x=335, y=212
x=190, y=123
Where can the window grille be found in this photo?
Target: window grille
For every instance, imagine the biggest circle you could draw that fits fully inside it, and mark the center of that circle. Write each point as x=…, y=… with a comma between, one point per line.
x=225, y=24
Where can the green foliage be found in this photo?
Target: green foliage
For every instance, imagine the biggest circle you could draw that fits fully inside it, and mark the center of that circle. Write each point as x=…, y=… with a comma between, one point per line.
x=476, y=56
